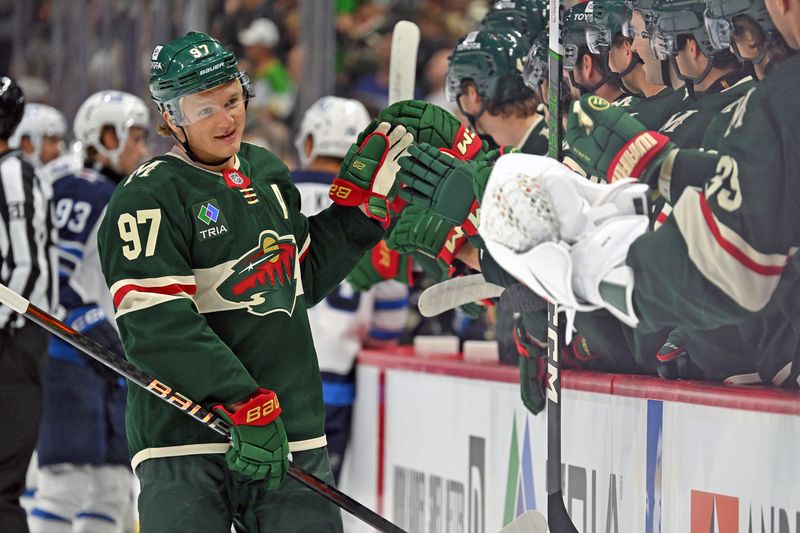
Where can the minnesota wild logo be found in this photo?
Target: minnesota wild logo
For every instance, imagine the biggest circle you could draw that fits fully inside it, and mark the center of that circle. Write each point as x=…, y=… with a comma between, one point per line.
x=264, y=278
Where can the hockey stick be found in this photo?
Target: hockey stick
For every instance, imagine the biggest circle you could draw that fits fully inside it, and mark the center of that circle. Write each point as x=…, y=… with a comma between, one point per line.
x=527, y=522
x=456, y=292
x=181, y=402
x=403, y=61
x=557, y=515
x=518, y=298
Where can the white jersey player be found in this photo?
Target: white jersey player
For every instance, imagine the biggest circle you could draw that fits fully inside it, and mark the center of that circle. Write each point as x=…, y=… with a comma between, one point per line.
x=84, y=469
x=346, y=320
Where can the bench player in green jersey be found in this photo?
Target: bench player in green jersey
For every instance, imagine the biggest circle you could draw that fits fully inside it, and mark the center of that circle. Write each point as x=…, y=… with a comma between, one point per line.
x=211, y=267
x=588, y=72
x=720, y=255
x=604, y=36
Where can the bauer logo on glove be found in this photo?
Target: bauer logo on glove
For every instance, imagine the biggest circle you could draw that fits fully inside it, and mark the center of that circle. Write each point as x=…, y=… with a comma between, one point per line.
x=367, y=175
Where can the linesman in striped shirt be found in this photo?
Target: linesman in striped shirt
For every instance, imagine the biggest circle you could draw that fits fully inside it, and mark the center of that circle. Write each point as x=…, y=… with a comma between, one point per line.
x=26, y=267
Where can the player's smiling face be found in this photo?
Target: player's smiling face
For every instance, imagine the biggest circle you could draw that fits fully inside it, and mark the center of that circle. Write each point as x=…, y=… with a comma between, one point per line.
x=217, y=121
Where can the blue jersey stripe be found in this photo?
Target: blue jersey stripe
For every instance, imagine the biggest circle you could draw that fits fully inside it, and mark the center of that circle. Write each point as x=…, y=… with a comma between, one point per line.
x=389, y=305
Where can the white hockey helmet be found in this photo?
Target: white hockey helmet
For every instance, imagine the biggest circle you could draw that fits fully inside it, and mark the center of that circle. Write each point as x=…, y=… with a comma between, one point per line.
x=333, y=124
x=117, y=109
x=38, y=121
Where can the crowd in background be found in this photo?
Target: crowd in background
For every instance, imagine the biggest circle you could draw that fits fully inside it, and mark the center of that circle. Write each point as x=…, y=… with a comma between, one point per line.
x=266, y=35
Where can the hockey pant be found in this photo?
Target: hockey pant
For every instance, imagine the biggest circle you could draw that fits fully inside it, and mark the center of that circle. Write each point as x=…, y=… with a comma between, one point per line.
x=84, y=479
x=200, y=493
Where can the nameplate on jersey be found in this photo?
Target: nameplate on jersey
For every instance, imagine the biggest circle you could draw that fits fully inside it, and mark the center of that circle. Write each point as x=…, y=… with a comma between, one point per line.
x=235, y=179
x=209, y=220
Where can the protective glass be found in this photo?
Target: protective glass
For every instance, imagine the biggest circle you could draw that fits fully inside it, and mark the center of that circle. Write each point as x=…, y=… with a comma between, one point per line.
x=598, y=39
x=192, y=108
x=719, y=30
x=534, y=71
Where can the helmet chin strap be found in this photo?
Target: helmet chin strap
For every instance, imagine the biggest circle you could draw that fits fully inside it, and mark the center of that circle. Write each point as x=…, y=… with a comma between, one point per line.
x=635, y=61
x=473, y=119
x=585, y=89
x=192, y=155
x=666, y=76
x=691, y=82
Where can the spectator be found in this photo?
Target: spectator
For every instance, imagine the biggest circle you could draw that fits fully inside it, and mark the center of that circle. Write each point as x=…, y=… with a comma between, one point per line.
x=275, y=90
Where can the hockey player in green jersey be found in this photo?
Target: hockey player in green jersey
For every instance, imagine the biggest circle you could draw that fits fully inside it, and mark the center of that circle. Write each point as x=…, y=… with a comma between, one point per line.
x=604, y=37
x=588, y=72
x=728, y=242
x=211, y=267
x=484, y=79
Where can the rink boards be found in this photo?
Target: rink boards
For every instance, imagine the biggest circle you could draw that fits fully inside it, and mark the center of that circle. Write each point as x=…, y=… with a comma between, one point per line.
x=451, y=448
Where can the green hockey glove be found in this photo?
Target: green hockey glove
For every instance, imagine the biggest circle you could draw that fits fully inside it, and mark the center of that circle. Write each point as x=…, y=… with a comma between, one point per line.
x=367, y=174
x=674, y=361
x=379, y=264
x=431, y=124
x=437, y=181
x=419, y=230
x=532, y=364
x=607, y=141
x=483, y=168
x=259, y=447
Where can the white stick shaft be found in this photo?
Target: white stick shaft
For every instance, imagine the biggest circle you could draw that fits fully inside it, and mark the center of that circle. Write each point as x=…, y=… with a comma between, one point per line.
x=13, y=300
x=403, y=61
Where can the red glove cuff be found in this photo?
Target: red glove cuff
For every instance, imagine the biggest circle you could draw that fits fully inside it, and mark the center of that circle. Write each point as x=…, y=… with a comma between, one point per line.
x=455, y=240
x=634, y=157
x=261, y=409
x=470, y=225
x=466, y=146
x=344, y=193
x=385, y=261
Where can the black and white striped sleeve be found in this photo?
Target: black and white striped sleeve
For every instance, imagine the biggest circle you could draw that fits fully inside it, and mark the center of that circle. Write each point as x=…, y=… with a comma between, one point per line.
x=25, y=236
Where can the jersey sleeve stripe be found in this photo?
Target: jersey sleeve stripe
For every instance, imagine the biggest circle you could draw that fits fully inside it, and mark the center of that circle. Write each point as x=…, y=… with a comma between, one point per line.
x=746, y=275
x=736, y=246
x=306, y=247
x=137, y=294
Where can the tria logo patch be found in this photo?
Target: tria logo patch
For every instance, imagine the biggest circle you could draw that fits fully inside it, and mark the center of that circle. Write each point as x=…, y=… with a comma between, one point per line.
x=208, y=213
x=264, y=277
x=212, y=222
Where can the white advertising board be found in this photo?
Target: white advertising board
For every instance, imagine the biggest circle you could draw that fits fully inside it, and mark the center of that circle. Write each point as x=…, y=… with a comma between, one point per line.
x=463, y=455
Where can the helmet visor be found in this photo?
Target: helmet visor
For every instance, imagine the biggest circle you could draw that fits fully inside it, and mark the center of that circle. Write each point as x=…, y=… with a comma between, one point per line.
x=534, y=72
x=719, y=30
x=571, y=52
x=598, y=39
x=663, y=45
x=452, y=87
x=193, y=108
